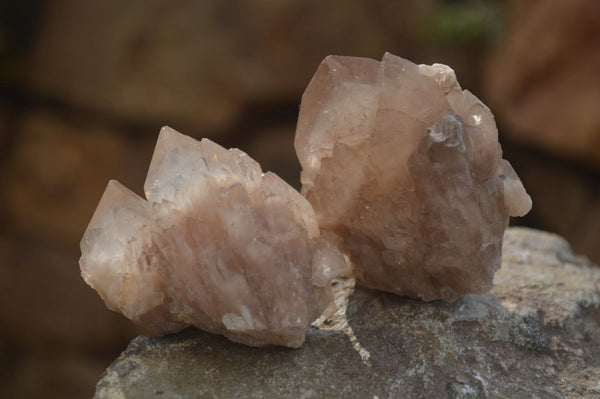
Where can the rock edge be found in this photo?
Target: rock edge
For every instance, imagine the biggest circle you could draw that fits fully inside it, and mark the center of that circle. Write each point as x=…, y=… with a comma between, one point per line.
x=536, y=334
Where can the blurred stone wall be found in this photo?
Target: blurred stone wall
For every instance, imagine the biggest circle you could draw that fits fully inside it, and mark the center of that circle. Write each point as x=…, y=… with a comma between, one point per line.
x=543, y=84
x=83, y=98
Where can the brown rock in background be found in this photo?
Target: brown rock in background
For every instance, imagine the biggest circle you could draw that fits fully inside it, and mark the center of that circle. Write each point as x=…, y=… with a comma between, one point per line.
x=52, y=373
x=273, y=148
x=54, y=171
x=54, y=330
x=544, y=87
x=194, y=64
x=49, y=304
x=566, y=198
x=4, y=128
x=544, y=81
x=58, y=170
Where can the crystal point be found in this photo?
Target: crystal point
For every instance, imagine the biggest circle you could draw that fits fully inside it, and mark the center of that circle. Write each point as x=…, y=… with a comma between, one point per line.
x=406, y=168
x=118, y=260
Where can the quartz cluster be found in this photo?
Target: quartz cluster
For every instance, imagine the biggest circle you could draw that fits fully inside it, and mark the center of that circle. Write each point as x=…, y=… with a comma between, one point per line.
x=403, y=179
x=217, y=244
x=406, y=167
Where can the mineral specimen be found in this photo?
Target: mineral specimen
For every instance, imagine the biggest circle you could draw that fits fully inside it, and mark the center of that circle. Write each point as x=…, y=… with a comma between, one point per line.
x=406, y=167
x=218, y=245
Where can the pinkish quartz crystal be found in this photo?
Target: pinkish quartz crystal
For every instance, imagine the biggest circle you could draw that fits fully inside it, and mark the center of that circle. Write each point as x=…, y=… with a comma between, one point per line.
x=218, y=245
x=406, y=167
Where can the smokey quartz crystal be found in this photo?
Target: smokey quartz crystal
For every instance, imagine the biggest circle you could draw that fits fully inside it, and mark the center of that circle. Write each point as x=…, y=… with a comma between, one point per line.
x=217, y=244
x=407, y=169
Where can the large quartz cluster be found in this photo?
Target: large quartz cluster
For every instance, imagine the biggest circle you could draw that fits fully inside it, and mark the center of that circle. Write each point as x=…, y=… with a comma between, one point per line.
x=403, y=177
x=406, y=167
x=218, y=245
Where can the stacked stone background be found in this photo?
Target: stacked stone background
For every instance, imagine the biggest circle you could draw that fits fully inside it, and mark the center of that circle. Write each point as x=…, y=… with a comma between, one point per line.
x=86, y=86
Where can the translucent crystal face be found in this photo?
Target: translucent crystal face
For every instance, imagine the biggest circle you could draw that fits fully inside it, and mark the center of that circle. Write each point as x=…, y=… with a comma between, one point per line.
x=116, y=260
x=406, y=167
x=219, y=245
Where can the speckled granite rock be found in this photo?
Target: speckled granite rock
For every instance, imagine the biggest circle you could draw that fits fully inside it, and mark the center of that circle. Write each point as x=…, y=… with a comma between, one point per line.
x=536, y=335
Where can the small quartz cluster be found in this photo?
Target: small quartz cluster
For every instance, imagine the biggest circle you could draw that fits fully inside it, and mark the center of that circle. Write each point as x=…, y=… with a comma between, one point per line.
x=218, y=245
x=406, y=167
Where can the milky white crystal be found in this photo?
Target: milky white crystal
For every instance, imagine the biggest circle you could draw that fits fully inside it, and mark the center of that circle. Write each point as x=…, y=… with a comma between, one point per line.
x=218, y=245
x=406, y=167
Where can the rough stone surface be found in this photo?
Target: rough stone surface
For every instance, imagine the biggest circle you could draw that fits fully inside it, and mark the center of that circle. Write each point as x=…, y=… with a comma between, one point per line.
x=407, y=168
x=548, y=98
x=535, y=335
x=218, y=245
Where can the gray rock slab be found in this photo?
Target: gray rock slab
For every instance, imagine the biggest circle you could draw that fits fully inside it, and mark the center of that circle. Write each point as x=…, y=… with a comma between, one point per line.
x=536, y=335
